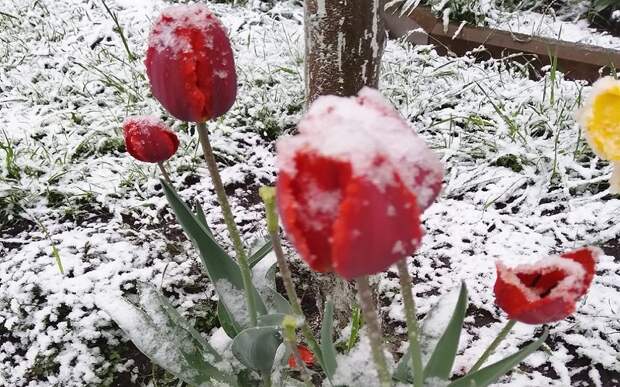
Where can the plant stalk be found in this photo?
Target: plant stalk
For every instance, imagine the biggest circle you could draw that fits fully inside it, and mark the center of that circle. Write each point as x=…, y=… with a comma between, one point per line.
x=229, y=219
x=289, y=326
x=165, y=173
x=489, y=351
x=413, y=330
x=614, y=180
x=374, y=330
x=268, y=196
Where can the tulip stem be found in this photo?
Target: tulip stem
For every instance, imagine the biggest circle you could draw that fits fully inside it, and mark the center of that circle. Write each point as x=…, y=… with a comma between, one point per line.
x=489, y=351
x=289, y=326
x=229, y=219
x=412, y=323
x=374, y=330
x=164, y=173
x=268, y=196
x=614, y=180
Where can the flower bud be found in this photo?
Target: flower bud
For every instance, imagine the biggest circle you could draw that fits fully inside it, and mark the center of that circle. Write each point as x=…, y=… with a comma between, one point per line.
x=190, y=64
x=148, y=139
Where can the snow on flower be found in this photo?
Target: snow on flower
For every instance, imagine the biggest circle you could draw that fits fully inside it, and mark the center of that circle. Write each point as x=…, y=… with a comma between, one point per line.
x=352, y=184
x=148, y=139
x=190, y=63
x=548, y=290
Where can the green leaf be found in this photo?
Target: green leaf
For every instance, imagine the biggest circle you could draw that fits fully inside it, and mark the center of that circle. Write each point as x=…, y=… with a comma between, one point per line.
x=403, y=369
x=229, y=325
x=260, y=253
x=222, y=270
x=256, y=347
x=271, y=320
x=441, y=361
x=275, y=302
x=166, y=337
x=328, y=350
x=200, y=215
x=492, y=373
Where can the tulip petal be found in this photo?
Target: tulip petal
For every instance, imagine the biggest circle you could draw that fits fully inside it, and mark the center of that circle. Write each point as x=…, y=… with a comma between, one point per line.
x=548, y=290
x=190, y=64
x=148, y=139
x=375, y=228
x=308, y=204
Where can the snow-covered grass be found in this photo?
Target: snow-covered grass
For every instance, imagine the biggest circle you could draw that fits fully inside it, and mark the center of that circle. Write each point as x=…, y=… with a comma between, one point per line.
x=521, y=183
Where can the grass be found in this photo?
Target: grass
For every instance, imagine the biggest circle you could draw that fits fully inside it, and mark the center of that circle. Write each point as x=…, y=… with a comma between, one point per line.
x=486, y=119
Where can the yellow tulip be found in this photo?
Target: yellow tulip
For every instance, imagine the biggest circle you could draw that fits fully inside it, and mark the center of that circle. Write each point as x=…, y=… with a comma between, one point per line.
x=600, y=120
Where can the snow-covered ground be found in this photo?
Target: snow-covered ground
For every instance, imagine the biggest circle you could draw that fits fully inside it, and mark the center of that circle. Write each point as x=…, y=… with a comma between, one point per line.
x=521, y=183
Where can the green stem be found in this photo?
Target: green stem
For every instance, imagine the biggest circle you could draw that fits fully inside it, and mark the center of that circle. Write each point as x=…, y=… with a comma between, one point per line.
x=412, y=323
x=268, y=196
x=164, y=173
x=267, y=379
x=229, y=219
x=289, y=326
x=489, y=351
x=374, y=330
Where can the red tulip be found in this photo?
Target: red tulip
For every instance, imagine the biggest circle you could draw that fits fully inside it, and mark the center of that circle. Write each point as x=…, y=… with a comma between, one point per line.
x=548, y=290
x=148, y=139
x=190, y=63
x=352, y=183
x=306, y=356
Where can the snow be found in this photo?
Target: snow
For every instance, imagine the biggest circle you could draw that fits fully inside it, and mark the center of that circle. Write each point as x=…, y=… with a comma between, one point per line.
x=62, y=104
x=167, y=36
x=363, y=131
x=552, y=26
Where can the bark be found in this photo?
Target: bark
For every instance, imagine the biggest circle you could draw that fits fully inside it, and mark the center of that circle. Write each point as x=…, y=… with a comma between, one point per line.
x=344, y=45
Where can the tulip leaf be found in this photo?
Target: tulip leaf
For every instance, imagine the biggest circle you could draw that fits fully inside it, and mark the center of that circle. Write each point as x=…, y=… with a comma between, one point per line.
x=200, y=215
x=441, y=361
x=403, y=369
x=166, y=337
x=274, y=301
x=222, y=270
x=432, y=328
x=492, y=373
x=228, y=324
x=256, y=347
x=271, y=320
x=260, y=253
x=328, y=350
x=256, y=255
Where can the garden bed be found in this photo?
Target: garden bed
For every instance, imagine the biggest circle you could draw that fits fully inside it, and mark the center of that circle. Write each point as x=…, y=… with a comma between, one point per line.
x=536, y=53
x=520, y=183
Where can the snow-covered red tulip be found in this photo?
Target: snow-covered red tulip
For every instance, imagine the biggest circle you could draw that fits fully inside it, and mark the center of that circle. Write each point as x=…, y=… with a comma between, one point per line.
x=547, y=290
x=148, y=139
x=353, y=183
x=190, y=63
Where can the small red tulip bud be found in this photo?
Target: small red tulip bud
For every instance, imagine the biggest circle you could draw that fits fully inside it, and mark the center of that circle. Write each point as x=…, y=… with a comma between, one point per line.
x=190, y=63
x=306, y=356
x=148, y=139
x=548, y=290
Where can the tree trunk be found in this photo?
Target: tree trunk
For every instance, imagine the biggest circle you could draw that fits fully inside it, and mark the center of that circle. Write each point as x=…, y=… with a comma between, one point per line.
x=344, y=45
